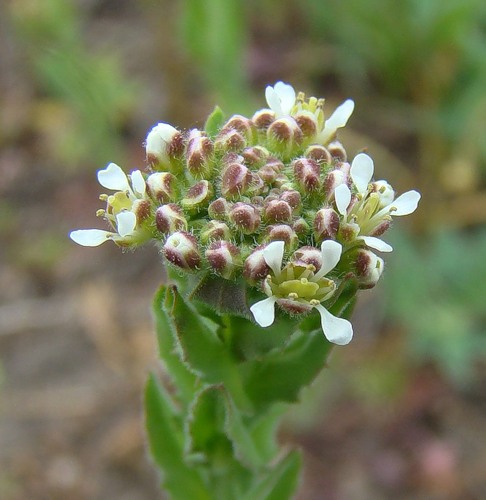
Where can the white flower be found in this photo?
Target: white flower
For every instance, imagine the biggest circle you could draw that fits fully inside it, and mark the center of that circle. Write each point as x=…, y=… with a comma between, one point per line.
x=121, y=217
x=371, y=209
x=302, y=287
x=337, y=120
x=280, y=98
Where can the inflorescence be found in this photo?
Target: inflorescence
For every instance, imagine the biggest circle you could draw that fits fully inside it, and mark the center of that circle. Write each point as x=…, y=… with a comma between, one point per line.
x=272, y=198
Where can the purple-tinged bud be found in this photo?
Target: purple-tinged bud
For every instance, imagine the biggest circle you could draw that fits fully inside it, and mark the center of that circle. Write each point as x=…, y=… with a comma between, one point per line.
x=282, y=232
x=301, y=227
x=235, y=180
x=277, y=211
x=318, y=153
x=348, y=232
x=334, y=179
x=307, y=174
x=258, y=201
x=245, y=217
x=307, y=122
x=308, y=255
x=224, y=258
x=382, y=227
x=181, y=249
x=369, y=268
x=214, y=230
x=142, y=209
x=293, y=307
x=337, y=151
x=267, y=174
x=255, y=268
x=263, y=119
x=284, y=136
x=164, y=147
x=198, y=196
x=229, y=140
x=276, y=164
x=326, y=224
x=161, y=187
x=255, y=156
x=219, y=209
x=283, y=182
x=170, y=218
x=257, y=186
x=293, y=198
x=242, y=125
x=199, y=153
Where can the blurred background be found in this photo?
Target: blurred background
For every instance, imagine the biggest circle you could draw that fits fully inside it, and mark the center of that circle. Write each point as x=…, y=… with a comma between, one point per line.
x=401, y=412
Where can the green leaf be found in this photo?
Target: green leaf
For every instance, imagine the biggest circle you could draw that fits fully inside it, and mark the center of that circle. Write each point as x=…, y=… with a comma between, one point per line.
x=202, y=349
x=214, y=122
x=281, y=374
x=280, y=482
x=184, y=381
x=165, y=436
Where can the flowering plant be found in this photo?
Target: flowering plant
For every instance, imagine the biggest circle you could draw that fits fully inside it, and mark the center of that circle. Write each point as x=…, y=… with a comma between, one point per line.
x=263, y=223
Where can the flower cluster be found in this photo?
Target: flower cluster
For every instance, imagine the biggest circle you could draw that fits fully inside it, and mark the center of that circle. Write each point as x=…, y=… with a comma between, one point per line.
x=271, y=198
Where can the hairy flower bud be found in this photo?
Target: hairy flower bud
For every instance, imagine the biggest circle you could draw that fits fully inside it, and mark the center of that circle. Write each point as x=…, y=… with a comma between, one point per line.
x=307, y=122
x=219, y=209
x=326, y=224
x=277, y=211
x=215, y=230
x=334, y=179
x=369, y=268
x=224, y=258
x=199, y=153
x=337, y=151
x=142, y=209
x=181, y=249
x=301, y=227
x=267, y=174
x=235, y=180
x=198, y=196
x=242, y=125
x=263, y=119
x=308, y=255
x=293, y=198
x=229, y=140
x=255, y=156
x=307, y=174
x=255, y=268
x=170, y=218
x=284, y=136
x=245, y=217
x=282, y=232
x=348, y=232
x=164, y=146
x=318, y=153
x=161, y=187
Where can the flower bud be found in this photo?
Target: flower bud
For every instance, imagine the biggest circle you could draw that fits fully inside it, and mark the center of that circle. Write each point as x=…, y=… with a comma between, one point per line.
x=282, y=232
x=369, y=268
x=256, y=186
x=263, y=119
x=198, y=196
x=385, y=191
x=255, y=268
x=284, y=136
x=267, y=174
x=348, y=232
x=307, y=122
x=307, y=174
x=229, y=140
x=308, y=255
x=162, y=187
x=219, y=209
x=301, y=227
x=214, y=230
x=334, y=179
x=242, y=125
x=326, y=224
x=293, y=198
x=224, y=258
x=199, y=154
x=181, y=249
x=142, y=210
x=318, y=153
x=382, y=227
x=245, y=217
x=255, y=156
x=235, y=180
x=337, y=151
x=164, y=146
x=170, y=218
x=278, y=211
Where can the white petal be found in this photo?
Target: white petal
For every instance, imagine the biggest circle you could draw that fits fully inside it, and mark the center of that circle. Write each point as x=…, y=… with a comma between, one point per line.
x=406, y=203
x=342, y=195
x=376, y=243
x=273, y=101
x=273, y=255
x=264, y=311
x=113, y=177
x=158, y=138
x=337, y=120
x=331, y=253
x=361, y=171
x=90, y=237
x=286, y=93
x=337, y=330
x=125, y=223
x=138, y=183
